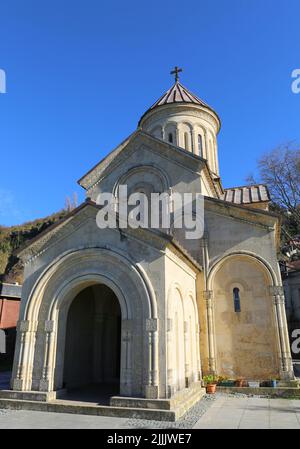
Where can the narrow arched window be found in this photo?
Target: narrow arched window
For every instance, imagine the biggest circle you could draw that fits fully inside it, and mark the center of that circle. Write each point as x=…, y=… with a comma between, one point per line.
x=186, y=141
x=236, y=299
x=200, y=148
x=170, y=137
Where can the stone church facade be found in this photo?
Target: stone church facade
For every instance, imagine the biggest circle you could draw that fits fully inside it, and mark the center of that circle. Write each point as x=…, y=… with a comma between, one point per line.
x=147, y=310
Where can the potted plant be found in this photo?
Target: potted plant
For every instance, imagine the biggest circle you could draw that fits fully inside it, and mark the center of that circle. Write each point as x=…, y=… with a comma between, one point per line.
x=239, y=382
x=210, y=383
x=222, y=381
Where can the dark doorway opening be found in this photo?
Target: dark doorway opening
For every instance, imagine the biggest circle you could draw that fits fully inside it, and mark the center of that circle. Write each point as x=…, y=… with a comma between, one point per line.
x=93, y=345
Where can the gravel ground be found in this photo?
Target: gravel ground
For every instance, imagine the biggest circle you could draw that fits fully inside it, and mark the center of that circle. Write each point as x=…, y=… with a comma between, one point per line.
x=185, y=422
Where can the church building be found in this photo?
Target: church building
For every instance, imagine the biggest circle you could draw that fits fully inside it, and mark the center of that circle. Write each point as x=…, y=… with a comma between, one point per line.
x=148, y=312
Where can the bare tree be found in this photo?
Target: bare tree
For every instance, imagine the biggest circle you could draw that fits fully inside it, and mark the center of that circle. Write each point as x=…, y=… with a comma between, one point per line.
x=71, y=204
x=75, y=200
x=68, y=204
x=280, y=171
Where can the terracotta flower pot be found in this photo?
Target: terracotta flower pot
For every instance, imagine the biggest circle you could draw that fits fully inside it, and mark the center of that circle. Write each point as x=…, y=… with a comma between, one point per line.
x=211, y=388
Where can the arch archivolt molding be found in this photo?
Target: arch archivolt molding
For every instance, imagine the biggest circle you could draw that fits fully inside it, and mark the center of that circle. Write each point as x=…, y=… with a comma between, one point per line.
x=45, y=315
x=274, y=291
x=142, y=169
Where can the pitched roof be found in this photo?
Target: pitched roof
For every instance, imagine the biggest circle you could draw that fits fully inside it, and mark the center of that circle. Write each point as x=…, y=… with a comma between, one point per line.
x=247, y=194
x=178, y=94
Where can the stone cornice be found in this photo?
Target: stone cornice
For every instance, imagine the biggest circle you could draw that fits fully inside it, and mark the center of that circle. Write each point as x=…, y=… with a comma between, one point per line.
x=258, y=217
x=87, y=211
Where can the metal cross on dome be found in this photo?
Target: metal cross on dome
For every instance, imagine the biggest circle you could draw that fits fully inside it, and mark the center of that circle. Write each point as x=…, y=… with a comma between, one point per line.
x=175, y=72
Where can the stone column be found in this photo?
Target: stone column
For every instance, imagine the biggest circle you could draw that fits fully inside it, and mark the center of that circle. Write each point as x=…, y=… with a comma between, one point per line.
x=23, y=379
x=126, y=358
x=199, y=371
x=207, y=149
x=46, y=381
x=208, y=295
x=286, y=368
x=170, y=372
x=194, y=146
x=177, y=136
x=187, y=351
x=152, y=337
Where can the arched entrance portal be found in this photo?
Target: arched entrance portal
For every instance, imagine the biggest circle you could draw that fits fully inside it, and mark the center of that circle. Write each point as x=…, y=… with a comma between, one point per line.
x=93, y=342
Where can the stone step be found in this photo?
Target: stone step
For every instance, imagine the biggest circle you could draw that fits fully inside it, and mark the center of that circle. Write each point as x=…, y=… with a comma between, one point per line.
x=139, y=408
x=180, y=399
x=28, y=395
x=61, y=406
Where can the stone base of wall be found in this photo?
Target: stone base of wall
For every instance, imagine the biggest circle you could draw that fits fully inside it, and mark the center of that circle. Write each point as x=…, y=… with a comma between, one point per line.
x=126, y=407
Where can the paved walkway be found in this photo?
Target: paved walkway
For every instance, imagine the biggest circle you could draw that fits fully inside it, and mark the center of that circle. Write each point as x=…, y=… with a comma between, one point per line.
x=225, y=412
x=229, y=412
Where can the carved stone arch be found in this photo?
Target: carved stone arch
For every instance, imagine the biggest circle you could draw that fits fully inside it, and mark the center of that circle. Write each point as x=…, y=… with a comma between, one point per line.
x=45, y=316
x=255, y=330
x=175, y=339
x=143, y=170
x=35, y=297
x=191, y=336
x=264, y=264
x=241, y=284
x=189, y=124
x=171, y=127
x=200, y=129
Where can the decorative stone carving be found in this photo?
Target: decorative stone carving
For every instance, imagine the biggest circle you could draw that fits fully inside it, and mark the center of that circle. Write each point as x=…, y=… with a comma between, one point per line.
x=151, y=325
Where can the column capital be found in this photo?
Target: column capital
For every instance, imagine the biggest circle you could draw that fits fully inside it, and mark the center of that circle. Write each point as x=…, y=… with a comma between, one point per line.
x=27, y=326
x=151, y=324
x=208, y=294
x=49, y=326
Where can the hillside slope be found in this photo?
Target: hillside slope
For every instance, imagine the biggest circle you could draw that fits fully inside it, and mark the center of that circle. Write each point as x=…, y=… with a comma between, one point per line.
x=12, y=237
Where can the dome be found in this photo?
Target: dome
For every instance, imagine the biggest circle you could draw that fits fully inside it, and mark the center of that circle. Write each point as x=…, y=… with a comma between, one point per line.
x=182, y=119
x=178, y=94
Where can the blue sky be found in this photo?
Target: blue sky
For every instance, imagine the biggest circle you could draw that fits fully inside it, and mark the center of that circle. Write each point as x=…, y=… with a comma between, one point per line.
x=81, y=73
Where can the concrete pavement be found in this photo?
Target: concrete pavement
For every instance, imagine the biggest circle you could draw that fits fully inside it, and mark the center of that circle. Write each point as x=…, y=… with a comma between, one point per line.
x=229, y=412
x=224, y=412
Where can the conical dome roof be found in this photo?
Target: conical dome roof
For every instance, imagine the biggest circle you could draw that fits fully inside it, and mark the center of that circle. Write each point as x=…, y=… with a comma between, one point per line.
x=177, y=94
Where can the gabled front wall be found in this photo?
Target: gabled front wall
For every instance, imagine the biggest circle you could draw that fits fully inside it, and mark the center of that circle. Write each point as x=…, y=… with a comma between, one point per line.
x=134, y=265
x=181, y=177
